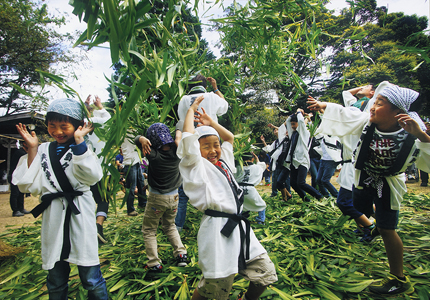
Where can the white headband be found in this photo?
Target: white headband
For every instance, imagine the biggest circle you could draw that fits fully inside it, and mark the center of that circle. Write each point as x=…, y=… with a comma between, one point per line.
x=206, y=131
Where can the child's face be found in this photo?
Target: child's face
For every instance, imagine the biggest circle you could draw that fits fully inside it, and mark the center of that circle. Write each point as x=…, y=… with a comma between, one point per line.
x=383, y=113
x=61, y=131
x=210, y=148
x=294, y=125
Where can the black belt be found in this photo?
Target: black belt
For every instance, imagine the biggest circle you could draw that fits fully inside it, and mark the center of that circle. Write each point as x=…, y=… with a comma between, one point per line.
x=233, y=221
x=47, y=199
x=245, y=184
x=346, y=161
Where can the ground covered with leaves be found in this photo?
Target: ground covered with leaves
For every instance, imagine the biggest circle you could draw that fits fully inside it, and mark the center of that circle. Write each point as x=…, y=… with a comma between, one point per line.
x=313, y=246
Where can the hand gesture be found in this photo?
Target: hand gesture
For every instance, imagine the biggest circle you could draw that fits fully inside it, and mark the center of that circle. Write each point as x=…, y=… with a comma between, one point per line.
x=212, y=81
x=88, y=100
x=145, y=145
x=98, y=102
x=29, y=138
x=196, y=103
x=262, y=138
x=82, y=131
x=301, y=111
x=203, y=118
x=409, y=124
x=316, y=105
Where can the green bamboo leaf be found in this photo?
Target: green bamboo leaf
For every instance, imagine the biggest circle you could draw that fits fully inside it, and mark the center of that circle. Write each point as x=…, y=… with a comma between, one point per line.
x=19, y=89
x=281, y=294
x=118, y=285
x=26, y=266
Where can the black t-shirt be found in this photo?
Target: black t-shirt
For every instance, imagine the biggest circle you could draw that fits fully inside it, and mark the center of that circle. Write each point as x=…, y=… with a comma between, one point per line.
x=163, y=169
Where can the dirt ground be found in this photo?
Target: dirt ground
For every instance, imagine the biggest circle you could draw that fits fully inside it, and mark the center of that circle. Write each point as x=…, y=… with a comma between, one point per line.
x=7, y=221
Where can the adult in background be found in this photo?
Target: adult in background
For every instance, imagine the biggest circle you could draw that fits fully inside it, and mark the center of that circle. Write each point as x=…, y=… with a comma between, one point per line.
x=134, y=177
x=16, y=197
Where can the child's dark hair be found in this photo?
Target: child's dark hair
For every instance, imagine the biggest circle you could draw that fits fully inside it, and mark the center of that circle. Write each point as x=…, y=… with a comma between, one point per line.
x=198, y=80
x=247, y=156
x=294, y=118
x=53, y=116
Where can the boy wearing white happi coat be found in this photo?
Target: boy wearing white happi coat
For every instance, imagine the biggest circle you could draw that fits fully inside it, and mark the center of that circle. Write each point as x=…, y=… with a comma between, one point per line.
x=207, y=169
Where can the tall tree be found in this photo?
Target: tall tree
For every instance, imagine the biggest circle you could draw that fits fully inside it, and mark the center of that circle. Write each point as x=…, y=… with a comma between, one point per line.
x=27, y=43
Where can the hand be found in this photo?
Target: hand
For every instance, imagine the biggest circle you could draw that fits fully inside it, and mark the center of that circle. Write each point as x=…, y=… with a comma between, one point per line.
x=270, y=125
x=98, y=102
x=262, y=138
x=88, y=101
x=316, y=105
x=145, y=145
x=409, y=124
x=203, y=118
x=82, y=131
x=301, y=111
x=212, y=81
x=196, y=103
x=29, y=138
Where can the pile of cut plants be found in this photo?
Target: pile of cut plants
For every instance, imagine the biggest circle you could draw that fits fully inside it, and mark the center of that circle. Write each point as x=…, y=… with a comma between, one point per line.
x=314, y=248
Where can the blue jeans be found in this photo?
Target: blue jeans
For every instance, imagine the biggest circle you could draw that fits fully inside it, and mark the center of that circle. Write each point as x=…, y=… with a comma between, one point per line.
x=134, y=178
x=298, y=182
x=91, y=278
x=315, y=164
x=325, y=173
x=261, y=216
x=182, y=208
x=283, y=180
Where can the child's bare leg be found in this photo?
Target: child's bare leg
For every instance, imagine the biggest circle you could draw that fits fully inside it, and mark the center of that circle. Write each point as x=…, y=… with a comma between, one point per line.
x=363, y=221
x=196, y=296
x=254, y=292
x=394, y=248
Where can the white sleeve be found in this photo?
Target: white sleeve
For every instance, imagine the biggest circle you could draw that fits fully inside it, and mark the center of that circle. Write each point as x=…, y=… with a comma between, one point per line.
x=423, y=159
x=28, y=179
x=348, y=98
x=340, y=121
x=100, y=116
x=86, y=168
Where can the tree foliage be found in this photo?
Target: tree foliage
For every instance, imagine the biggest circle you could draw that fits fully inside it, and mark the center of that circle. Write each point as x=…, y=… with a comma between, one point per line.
x=26, y=44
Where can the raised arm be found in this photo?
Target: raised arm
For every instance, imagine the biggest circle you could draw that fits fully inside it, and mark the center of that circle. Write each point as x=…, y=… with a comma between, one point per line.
x=224, y=134
x=31, y=140
x=212, y=81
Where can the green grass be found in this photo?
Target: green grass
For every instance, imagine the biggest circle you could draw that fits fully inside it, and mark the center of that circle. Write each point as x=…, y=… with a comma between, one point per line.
x=316, y=254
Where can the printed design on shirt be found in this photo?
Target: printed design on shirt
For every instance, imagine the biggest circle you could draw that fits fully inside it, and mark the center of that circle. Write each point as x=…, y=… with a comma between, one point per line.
x=383, y=151
x=245, y=190
x=67, y=159
x=45, y=168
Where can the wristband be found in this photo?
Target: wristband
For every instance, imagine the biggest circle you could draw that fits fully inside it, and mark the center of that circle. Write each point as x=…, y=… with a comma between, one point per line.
x=217, y=90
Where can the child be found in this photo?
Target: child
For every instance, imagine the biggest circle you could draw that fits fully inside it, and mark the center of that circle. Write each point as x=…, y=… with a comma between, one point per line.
x=62, y=173
x=163, y=181
x=248, y=177
x=388, y=145
x=226, y=243
x=297, y=160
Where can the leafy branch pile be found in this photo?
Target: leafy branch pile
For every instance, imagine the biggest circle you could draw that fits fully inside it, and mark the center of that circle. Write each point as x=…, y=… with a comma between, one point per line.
x=313, y=246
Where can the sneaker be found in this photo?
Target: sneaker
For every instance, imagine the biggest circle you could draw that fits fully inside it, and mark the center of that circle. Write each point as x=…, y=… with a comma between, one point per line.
x=392, y=285
x=273, y=195
x=358, y=231
x=306, y=199
x=155, y=269
x=100, y=236
x=132, y=214
x=25, y=212
x=423, y=184
x=181, y=260
x=17, y=214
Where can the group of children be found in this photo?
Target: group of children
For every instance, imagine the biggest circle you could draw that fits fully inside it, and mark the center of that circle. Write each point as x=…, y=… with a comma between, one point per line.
x=201, y=158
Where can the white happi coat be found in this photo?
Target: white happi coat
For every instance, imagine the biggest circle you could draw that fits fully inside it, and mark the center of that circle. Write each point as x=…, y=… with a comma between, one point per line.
x=301, y=153
x=251, y=174
x=208, y=188
x=39, y=179
x=340, y=121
